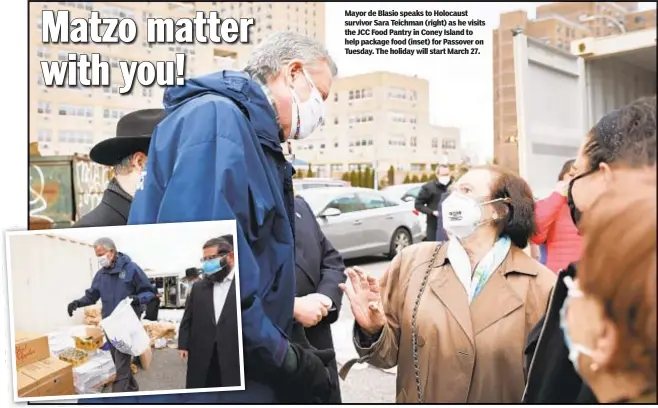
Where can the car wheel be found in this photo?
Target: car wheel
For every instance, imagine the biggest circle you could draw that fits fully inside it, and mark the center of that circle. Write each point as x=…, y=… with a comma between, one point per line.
x=400, y=240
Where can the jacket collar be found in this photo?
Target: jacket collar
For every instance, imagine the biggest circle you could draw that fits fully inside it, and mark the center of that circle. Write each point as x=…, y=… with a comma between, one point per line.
x=517, y=261
x=479, y=315
x=114, y=186
x=117, y=199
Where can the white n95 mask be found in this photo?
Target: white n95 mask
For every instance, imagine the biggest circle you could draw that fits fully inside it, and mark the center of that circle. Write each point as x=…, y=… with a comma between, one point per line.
x=462, y=214
x=575, y=349
x=306, y=116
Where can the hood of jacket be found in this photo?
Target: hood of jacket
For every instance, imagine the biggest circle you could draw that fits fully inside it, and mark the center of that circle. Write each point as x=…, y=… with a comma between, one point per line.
x=242, y=90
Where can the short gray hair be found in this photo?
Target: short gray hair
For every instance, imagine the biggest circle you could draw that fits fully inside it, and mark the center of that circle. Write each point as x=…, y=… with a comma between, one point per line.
x=274, y=52
x=106, y=243
x=124, y=166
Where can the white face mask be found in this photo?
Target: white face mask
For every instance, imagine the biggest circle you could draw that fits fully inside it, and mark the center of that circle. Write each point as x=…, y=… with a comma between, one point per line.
x=462, y=214
x=575, y=349
x=133, y=181
x=306, y=116
x=104, y=261
x=444, y=180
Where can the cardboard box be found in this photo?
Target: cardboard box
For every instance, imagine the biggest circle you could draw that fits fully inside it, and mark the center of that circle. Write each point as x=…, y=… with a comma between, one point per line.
x=52, y=377
x=93, y=339
x=27, y=387
x=30, y=348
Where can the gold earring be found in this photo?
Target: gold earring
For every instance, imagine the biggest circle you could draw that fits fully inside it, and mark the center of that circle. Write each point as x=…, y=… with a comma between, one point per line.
x=594, y=367
x=494, y=216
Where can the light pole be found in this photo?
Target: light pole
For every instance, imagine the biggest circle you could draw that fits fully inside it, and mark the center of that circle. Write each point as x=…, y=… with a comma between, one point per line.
x=617, y=23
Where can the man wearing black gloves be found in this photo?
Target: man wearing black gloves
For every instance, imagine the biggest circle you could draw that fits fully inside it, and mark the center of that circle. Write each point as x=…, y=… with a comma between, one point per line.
x=622, y=139
x=117, y=279
x=429, y=202
x=319, y=270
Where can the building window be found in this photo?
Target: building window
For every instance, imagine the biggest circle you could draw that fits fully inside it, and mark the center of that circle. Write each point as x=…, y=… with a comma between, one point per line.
x=358, y=94
x=79, y=111
x=43, y=52
x=43, y=108
x=335, y=120
x=336, y=97
x=448, y=144
x=363, y=118
x=335, y=168
x=639, y=19
x=44, y=135
x=435, y=143
x=413, y=142
x=397, y=93
x=397, y=140
x=397, y=117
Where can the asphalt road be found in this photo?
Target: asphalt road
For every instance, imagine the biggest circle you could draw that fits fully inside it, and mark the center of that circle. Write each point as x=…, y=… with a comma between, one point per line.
x=364, y=384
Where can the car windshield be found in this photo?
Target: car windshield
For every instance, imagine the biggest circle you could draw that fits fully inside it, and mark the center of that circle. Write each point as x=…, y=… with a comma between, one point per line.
x=395, y=191
x=398, y=191
x=315, y=198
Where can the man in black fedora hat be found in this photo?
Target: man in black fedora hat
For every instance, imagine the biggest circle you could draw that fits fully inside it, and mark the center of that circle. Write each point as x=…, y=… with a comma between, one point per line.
x=192, y=276
x=127, y=154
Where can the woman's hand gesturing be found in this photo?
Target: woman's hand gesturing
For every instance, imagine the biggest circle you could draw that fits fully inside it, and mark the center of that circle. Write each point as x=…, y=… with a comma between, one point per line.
x=365, y=300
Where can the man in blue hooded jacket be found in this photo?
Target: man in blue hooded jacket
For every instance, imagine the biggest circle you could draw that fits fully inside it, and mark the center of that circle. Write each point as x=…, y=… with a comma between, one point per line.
x=218, y=156
x=117, y=279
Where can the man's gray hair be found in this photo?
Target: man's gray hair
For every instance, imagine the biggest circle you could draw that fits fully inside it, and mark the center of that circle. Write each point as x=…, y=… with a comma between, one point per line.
x=106, y=243
x=268, y=59
x=124, y=166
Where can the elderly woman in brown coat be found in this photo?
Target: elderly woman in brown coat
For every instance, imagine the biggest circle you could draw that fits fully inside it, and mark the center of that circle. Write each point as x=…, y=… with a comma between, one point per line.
x=453, y=317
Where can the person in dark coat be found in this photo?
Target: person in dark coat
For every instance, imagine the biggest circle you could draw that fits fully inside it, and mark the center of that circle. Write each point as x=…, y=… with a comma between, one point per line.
x=126, y=153
x=117, y=279
x=208, y=336
x=218, y=156
x=429, y=200
x=625, y=138
x=319, y=271
x=153, y=307
x=441, y=234
x=192, y=276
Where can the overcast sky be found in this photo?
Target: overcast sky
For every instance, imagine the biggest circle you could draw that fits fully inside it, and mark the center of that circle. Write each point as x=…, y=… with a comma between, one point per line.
x=161, y=247
x=461, y=86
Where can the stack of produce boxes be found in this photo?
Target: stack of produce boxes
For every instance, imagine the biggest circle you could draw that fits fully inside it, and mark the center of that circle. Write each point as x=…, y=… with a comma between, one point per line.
x=39, y=374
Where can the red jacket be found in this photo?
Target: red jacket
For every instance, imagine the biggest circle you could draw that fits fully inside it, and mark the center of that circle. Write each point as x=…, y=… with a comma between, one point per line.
x=556, y=230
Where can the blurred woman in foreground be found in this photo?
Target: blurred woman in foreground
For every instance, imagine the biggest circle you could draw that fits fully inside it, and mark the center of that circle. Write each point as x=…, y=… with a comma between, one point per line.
x=609, y=317
x=453, y=317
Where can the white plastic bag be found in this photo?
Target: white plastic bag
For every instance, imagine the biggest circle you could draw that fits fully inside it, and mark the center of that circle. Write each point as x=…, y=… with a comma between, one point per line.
x=124, y=330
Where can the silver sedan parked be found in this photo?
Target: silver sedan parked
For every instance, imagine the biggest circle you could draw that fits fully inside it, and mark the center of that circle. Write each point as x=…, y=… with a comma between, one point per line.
x=363, y=222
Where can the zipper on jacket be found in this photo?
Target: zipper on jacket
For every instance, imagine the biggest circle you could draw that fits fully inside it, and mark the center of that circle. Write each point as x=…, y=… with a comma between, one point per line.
x=541, y=334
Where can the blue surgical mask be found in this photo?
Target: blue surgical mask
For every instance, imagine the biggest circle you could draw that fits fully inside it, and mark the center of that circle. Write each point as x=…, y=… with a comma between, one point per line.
x=575, y=349
x=213, y=266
